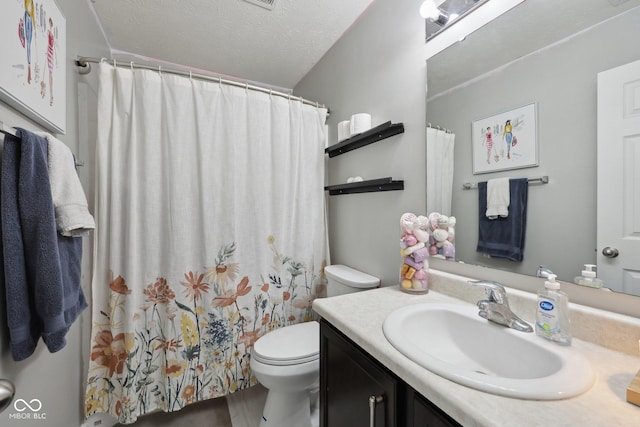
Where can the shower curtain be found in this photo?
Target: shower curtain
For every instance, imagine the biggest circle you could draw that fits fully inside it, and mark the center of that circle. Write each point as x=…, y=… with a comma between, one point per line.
x=210, y=232
x=440, y=150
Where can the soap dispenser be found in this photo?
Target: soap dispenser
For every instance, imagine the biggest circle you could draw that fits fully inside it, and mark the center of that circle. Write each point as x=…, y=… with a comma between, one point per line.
x=588, y=277
x=552, y=315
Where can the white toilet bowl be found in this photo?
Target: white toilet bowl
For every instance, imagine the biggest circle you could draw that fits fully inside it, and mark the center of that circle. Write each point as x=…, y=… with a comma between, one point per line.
x=287, y=363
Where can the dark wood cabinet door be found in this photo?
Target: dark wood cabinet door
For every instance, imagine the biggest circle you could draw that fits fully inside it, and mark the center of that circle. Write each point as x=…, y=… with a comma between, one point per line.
x=349, y=378
x=423, y=413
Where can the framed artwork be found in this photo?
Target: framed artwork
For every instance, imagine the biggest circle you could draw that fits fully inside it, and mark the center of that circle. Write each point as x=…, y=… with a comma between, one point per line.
x=507, y=140
x=33, y=42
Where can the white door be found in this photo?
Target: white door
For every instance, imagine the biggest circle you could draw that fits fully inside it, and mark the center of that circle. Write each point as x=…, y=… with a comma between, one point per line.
x=618, y=224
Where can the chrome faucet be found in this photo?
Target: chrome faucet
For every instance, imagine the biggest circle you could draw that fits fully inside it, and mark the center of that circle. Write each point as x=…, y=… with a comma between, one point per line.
x=496, y=307
x=543, y=272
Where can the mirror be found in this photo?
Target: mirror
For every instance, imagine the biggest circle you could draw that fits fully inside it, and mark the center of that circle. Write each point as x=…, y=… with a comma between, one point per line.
x=546, y=53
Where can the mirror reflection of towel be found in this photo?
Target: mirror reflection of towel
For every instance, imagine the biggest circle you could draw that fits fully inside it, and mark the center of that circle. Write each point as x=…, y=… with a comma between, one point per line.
x=504, y=237
x=498, y=198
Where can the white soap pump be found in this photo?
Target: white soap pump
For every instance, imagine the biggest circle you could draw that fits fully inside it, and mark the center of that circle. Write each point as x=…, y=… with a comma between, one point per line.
x=588, y=277
x=552, y=314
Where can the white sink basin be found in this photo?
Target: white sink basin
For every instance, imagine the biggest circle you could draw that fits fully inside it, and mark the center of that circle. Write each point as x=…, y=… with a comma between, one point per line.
x=452, y=341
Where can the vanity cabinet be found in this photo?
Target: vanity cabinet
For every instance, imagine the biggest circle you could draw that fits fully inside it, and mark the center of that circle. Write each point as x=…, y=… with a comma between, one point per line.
x=423, y=413
x=355, y=389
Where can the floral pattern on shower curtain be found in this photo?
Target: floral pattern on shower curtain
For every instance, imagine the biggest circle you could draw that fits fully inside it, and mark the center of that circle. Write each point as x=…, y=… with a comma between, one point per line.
x=202, y=246
x=198, y=340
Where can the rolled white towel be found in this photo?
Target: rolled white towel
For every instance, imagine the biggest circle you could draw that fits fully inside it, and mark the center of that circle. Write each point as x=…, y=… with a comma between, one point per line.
x=498, y=198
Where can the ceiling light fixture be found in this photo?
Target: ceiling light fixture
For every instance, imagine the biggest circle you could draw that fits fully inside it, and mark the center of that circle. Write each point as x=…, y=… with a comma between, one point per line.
x=429, y=9
x=267, y=4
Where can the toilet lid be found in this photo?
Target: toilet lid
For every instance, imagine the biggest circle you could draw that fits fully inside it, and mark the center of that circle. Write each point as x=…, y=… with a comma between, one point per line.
x=290, y=345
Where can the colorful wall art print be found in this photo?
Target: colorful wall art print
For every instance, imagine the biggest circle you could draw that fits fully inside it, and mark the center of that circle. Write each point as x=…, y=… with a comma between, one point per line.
x=33, y=68
x=504, y=141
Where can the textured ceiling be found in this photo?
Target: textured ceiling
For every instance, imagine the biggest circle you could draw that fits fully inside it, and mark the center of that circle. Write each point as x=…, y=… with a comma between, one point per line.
x=230, y=37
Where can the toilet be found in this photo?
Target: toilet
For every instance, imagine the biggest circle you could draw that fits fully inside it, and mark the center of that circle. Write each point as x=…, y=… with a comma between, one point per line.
x=287, y=361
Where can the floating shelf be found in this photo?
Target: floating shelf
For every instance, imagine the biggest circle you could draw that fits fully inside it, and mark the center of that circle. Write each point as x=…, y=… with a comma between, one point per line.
x=375, y=134
x=370, y=186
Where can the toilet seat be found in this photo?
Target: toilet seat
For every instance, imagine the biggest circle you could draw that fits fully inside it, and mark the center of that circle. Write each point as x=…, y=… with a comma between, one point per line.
x=291, y=345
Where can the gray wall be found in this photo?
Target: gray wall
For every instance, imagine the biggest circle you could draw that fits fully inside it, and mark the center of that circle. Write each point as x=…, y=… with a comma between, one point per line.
x=58, y=379
x=378, y=68
x=561, y=220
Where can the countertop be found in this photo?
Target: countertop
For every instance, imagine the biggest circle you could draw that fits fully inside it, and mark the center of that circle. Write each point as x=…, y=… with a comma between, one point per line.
x=360, y=317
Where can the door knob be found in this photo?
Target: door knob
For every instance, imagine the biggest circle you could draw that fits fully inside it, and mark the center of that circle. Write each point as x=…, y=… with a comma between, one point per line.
x=610, y=252
x=7, y=390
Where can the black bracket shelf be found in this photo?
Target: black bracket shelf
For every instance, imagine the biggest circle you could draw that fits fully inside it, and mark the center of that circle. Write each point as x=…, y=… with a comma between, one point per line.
x=372, y=185
x=375, y=134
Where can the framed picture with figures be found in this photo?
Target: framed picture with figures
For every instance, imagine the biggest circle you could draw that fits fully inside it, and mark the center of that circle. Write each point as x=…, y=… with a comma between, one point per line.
x=33, y=42
x=506, y=140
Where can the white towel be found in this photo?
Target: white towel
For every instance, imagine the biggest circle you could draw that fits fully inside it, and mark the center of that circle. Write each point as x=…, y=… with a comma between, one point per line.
x=497, y=198
x=69, y=201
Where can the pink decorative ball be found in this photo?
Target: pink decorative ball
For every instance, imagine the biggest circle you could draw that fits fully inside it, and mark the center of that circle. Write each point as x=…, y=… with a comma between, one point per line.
x=410, y=240
x=420, y=274
x=449, y=251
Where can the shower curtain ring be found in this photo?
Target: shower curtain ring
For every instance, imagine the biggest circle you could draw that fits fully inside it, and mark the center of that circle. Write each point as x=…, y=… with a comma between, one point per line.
x=115, y=64
x=190, y=75
x=160, y=70
x=131, y=65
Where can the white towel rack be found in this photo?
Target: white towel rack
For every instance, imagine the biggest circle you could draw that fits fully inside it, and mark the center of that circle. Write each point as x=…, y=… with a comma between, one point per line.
x=7, y=129
x=12, y=131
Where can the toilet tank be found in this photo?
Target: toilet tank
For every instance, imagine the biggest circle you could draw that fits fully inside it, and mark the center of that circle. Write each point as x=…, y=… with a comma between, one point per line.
x=345, y=280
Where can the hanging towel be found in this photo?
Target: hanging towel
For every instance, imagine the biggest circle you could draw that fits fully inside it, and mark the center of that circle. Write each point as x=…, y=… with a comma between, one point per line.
x=23, y=335
x=69, y=201
x=41, y=267
x=498, y=198
x=504, y=237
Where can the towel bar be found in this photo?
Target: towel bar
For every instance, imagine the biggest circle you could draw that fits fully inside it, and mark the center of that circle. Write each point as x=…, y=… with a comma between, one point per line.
x=543, y=179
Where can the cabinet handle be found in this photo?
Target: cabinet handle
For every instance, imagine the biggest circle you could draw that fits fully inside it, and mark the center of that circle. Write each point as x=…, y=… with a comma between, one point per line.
x=373, y=400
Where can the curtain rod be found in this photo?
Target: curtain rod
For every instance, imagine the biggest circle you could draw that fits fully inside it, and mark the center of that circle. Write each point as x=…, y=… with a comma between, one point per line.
x=85, y=68
x=439, y=128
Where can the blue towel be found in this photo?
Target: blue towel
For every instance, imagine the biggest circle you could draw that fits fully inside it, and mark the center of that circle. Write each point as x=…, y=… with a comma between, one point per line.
x=23, y=332
x=41, y=267
x=503, y=237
